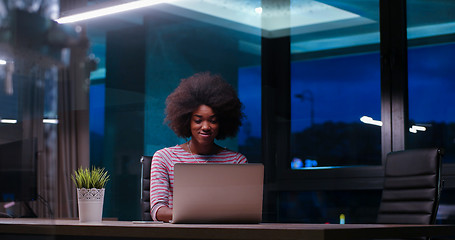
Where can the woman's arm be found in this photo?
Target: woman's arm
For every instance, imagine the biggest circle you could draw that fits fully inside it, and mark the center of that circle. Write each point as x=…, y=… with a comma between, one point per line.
x=159, y=185
x=164, y=214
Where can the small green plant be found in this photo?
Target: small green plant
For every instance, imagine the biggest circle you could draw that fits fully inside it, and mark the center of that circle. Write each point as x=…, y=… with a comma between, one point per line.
x=94, y=178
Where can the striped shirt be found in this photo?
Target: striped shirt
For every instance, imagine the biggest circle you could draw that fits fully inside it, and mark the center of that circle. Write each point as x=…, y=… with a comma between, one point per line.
x=162, y=172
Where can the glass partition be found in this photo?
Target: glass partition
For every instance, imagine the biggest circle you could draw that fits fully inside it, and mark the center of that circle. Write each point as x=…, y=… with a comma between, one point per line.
x=329, y=207
x=142, y=56
x=335, y=84
x=431, y=27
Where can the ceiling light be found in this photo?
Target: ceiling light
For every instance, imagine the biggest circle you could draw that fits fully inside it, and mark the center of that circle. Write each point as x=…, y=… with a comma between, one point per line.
x=50, y=120
x=416, y=128
x=11, y=121
x=109, y=10
x=369, y=120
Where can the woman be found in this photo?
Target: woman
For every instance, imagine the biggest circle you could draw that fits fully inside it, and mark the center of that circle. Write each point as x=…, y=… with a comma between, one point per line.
x=203, y=108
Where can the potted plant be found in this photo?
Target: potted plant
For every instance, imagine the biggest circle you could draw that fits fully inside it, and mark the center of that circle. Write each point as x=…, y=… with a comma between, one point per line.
x=90, y=185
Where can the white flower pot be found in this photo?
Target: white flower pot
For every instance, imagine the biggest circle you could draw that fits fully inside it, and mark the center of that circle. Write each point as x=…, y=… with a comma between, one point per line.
x=90, y=203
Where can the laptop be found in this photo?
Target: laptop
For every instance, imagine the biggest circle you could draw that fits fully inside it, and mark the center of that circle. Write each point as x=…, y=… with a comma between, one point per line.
x=218, y=193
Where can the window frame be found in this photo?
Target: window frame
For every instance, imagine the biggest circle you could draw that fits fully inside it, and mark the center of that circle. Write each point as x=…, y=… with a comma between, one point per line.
x=276, y=111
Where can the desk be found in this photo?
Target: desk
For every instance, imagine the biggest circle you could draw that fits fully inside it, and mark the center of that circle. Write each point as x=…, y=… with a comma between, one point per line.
x=72, y=229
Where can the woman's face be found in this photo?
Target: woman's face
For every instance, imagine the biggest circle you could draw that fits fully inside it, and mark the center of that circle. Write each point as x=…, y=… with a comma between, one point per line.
x=204, y=125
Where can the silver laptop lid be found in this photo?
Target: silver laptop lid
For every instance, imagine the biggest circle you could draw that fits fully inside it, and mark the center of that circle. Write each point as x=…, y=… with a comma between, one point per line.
x=218, y=193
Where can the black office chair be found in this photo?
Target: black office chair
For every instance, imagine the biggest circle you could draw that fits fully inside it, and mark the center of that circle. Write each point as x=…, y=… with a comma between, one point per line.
x=412, y=187
x=146, y=162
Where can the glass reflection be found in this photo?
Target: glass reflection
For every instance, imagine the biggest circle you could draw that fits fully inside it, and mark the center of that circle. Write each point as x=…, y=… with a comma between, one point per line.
x=335, y=80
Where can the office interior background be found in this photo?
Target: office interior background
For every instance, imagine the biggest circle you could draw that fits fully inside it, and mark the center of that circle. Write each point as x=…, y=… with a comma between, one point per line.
x=329, y=88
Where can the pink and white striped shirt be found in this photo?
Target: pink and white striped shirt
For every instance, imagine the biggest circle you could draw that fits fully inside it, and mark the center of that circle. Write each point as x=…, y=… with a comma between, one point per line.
x=162, y=172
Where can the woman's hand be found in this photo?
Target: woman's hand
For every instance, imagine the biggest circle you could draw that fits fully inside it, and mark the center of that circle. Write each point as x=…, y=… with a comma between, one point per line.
x=164, y=214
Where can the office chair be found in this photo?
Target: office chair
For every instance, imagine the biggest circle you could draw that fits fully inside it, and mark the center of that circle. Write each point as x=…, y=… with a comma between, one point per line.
x=412, y=186
x=146, y=162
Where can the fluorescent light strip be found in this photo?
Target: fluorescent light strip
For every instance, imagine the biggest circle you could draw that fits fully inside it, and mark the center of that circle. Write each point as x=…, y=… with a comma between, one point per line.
x=416, y=128
x=2, y=62
x=109, y=10
x=14, y=121
x=369, y=120
x=11, y=121
x=50, y=121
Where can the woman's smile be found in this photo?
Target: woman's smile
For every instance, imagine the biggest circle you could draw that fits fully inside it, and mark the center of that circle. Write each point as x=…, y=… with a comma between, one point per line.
x=204, y=126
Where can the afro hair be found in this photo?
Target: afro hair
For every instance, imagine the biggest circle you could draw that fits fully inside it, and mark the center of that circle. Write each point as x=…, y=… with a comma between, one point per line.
x=204, y=89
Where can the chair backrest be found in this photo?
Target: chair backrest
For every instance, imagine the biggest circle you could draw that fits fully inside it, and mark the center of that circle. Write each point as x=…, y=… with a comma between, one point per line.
x=146, y=162
x=412, y=185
